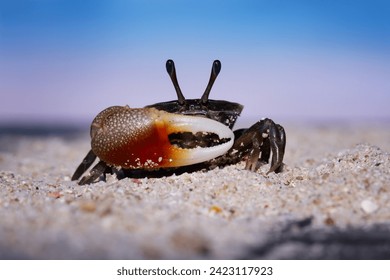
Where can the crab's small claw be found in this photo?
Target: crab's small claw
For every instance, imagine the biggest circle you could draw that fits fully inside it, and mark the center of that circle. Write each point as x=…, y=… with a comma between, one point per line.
x=257, y=143
x=148, y=138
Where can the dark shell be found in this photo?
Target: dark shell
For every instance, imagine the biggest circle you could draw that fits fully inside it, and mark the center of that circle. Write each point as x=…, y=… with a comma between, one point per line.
x=220, y=110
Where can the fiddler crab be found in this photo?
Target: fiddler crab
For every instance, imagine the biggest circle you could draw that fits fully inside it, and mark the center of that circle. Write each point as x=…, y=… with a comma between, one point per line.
x=178, y=136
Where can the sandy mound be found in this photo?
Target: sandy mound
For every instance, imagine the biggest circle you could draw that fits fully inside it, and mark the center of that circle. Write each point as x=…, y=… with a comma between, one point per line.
x=331, y=201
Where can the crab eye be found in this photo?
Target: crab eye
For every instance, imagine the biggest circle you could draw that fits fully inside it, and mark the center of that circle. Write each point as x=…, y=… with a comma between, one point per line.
x=215, y=69
x=170, y=65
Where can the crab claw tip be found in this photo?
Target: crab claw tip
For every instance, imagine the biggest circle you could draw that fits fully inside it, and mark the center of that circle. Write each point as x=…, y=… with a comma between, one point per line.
x=198, y=139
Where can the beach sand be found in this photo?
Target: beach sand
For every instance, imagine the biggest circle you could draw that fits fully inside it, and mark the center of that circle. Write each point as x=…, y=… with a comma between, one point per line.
x=331, y=201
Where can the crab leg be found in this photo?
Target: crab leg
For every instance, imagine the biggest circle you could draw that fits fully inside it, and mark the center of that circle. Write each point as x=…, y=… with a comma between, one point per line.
x=99, y=169
x=253, y=158
x=84, y=165
x=278, y=145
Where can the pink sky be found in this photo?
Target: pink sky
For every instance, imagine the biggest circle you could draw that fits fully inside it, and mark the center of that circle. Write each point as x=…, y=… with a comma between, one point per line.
x=67, y=60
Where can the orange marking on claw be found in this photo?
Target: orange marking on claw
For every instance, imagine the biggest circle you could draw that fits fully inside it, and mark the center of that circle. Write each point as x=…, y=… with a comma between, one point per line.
x=149, y=151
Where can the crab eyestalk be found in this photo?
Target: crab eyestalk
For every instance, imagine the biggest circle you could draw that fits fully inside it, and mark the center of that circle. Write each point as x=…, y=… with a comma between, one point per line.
x=142, y=138
x=170, y=65
x=216, y=68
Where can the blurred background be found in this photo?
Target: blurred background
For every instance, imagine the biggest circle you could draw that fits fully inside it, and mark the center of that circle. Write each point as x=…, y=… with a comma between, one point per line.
x=63, y=61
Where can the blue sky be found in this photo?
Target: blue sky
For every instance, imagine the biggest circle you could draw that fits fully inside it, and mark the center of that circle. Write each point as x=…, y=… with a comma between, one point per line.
x=67, y=60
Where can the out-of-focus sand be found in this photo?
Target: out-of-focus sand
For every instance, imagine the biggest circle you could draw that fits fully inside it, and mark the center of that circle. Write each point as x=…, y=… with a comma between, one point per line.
x=331, y=201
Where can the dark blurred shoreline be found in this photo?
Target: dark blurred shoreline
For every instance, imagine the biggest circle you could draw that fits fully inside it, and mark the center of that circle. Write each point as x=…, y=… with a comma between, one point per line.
x=42, y=130
x=64, y=129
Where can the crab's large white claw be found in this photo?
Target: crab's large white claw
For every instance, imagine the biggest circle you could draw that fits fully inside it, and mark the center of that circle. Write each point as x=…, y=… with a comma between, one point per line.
x=193, y=124
x=139, y=138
